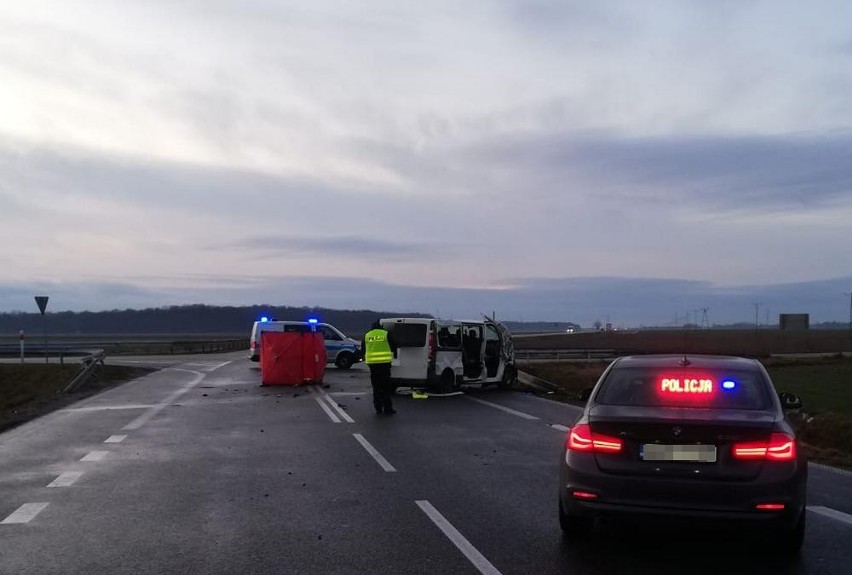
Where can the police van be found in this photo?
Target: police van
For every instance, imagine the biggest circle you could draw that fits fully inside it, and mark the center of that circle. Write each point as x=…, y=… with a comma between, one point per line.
x=444, y=354
x=341, y=350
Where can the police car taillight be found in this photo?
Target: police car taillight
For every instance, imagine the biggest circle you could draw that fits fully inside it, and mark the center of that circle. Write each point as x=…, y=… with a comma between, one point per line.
x=581, y=438
x=779, y=447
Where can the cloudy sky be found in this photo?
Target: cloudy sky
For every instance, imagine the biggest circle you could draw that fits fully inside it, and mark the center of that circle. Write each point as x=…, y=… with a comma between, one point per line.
x=551, y=159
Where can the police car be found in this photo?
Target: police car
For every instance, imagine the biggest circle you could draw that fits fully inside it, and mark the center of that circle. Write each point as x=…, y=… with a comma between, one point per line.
x=701, y=437
x=341, y=350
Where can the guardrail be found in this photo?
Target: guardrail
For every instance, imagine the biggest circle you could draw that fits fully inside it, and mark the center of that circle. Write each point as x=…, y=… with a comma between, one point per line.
x=87, y=367
x=35, y=349
x=564, y=354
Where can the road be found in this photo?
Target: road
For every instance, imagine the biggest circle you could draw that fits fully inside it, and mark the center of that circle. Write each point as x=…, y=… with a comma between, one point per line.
x=196, y=468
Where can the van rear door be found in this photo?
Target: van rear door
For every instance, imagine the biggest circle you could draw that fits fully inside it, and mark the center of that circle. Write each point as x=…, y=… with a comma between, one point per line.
x=415, y=342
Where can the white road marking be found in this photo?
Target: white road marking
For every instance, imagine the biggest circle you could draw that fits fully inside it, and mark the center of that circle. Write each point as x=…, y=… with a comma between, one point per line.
x=111, y=407
x=94, y=456
x=343, y=415
x=384, y=463
x=207, y=366
x=325, y=407
x=558, y=427
x=832, y=513
x=346, y=393
x=25, y=513
x=115, y=439
x=830, y=469
x=503, y=408
x=145, y=417
x=66, y=479
x=479, y=561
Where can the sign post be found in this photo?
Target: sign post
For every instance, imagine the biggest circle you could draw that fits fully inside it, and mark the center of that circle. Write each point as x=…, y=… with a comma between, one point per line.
x=41, y=302
x=21, y=337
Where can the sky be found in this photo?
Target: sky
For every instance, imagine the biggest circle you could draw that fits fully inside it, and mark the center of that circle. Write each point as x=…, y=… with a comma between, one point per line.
x=559, y=160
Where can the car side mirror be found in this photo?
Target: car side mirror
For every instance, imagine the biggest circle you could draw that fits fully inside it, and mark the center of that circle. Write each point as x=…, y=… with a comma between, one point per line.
x=585, y=394
x=790, y=400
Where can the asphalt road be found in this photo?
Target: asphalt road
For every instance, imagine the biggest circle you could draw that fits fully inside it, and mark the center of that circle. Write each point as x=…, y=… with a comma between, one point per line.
x=196, y=468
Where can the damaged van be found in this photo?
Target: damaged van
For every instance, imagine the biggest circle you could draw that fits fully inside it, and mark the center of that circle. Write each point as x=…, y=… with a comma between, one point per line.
x=444, y=354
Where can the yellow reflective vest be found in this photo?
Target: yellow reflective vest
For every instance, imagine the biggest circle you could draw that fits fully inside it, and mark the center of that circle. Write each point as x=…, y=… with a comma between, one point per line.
x=378, y=349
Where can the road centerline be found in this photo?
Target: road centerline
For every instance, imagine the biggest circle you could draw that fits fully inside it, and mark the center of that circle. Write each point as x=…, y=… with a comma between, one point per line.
x=383, y=463
x=145, y=417
x=478, y=560
x=504, y=408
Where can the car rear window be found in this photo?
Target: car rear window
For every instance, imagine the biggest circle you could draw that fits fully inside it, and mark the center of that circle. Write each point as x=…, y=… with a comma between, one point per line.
x=408, y=334
x=684, y=387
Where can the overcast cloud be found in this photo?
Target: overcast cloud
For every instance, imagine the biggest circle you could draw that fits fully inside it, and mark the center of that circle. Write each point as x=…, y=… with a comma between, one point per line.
x=546, y=160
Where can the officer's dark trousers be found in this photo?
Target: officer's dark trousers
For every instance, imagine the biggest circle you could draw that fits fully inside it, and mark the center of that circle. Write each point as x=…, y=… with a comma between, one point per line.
x=380, y=377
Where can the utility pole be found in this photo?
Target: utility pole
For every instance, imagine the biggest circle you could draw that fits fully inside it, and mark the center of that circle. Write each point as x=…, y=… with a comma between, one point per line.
x=705, y=321
x=756, y=320
x=850, y=312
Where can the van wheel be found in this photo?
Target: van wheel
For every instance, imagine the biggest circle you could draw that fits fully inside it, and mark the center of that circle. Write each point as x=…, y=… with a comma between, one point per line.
x=508, y=378
x=344, y=360
x=448, y=381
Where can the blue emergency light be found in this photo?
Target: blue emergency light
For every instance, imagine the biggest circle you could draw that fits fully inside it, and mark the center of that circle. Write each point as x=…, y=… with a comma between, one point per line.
x=264, y=319
x=729, y=384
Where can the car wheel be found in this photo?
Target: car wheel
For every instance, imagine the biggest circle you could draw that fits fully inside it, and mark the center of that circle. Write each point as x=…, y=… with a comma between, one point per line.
x=343, y=361
x=508, y=378
x=574, y=527
x=790, y=539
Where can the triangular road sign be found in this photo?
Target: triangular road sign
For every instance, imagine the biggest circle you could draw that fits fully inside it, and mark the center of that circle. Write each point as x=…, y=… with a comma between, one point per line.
x=41, y=300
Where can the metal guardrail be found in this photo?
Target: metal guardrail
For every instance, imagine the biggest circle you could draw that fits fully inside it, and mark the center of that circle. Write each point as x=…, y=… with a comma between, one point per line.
x=34, y=349
x=564, y=354
x=87, y=368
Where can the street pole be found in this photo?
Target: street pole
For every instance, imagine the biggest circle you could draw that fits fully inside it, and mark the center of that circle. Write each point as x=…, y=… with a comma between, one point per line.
x=41, y=302
x=21, y=337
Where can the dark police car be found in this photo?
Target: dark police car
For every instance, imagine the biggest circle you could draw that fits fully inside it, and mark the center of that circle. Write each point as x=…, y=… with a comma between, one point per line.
x=685, y=436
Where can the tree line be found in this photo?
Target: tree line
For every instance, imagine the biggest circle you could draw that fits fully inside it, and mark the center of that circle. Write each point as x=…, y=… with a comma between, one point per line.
x=186, y=319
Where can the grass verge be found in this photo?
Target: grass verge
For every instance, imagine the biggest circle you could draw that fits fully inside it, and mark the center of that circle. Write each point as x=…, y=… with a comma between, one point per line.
x=825, y=386
x=32, y=390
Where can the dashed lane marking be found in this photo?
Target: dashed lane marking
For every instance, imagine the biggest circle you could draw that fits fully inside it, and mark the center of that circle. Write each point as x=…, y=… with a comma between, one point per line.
x=558, y=427
x=478, y=560
x=25, y=513
x=66, y=479
x=832, y=513
x=503, y=408
x=94, y=456
x=145, y=417
x=111, y=407
x=383, y=463
x=115, y=439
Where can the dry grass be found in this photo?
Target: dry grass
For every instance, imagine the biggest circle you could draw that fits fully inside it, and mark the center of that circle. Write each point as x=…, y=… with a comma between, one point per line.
x=31, y=390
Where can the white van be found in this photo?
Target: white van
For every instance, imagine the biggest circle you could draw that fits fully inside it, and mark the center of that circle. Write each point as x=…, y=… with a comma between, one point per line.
x=340, y=350
x=445, y=354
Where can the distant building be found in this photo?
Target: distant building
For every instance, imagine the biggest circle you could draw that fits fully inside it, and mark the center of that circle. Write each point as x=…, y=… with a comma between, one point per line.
x=794, y=321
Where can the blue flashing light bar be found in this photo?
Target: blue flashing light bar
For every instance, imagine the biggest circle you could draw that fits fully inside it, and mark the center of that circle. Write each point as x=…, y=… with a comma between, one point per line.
x=264, y=319
x=729, y=384
x=313, y=320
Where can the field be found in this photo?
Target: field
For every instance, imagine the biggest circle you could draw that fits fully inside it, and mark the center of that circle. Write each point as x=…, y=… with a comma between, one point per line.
x=28, y=391
x=825, y=386
x=747, y=342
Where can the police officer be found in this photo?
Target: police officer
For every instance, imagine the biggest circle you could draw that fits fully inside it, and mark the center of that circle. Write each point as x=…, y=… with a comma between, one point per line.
x=379, y=349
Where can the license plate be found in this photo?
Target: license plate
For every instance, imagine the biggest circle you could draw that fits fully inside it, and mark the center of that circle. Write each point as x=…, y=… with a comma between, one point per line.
x=690, y=453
